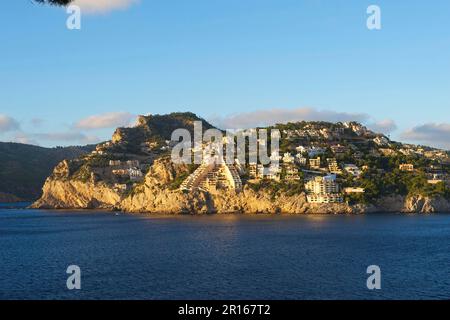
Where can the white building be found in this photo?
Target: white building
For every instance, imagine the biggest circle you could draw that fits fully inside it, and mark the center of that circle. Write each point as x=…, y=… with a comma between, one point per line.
x=114, y=163
x=381, y=141
x=323, y=190
x=314, y=163
x=135, y=174
x=353, y=170
x=300, y=159
x=315, y=151
x=354, y=190
x=288, y=158
x=320, y=185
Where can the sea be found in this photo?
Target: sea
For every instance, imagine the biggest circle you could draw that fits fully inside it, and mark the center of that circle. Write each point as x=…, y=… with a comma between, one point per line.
x=225, y=257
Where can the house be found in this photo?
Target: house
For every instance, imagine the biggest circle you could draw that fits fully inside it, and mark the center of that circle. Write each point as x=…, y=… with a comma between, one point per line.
x=436, y=178
x=120, y=172
x=407, y=167
x=114, y=163
x=315, y=151
x=353, y=170
x=314, y=163
x=135, y=174
x=288, y=158
x=338, y=149
x=354, y=190
x=301, y=149
x=300, y=159
x=325, y=198
x=387, y=152
x=291, y=172
x=381, y=141
x=120, y=187
x=253, y=170
x=133, y=163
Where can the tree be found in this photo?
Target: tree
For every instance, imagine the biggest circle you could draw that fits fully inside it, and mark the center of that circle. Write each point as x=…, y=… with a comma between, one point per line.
x=55, y=2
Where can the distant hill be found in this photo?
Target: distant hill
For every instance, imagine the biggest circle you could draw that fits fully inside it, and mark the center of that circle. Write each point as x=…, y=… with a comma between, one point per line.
x=24, y=168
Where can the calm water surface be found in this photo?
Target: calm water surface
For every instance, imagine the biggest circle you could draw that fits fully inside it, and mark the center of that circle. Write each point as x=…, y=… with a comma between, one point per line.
x=222, y=257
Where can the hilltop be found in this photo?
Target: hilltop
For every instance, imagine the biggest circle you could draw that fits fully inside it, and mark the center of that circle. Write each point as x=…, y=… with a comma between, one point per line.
x=324, y=168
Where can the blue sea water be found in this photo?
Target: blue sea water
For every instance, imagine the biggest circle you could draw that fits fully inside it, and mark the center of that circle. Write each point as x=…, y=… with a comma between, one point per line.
x=222, y=257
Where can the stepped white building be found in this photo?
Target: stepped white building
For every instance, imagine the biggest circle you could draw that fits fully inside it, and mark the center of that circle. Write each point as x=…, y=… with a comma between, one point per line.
x=213, y=174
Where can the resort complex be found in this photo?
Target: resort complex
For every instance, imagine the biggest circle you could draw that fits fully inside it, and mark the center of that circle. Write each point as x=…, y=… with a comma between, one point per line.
x=213, y=174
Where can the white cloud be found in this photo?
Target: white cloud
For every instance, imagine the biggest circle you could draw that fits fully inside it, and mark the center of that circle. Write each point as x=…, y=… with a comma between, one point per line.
x=386, y=126
x=8, y=124
x=435, y=134
x=102, y=6
x=106, y=120
x=273, y=116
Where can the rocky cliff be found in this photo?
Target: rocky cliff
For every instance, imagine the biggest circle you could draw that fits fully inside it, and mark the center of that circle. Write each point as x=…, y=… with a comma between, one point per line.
x=102, y=180
x=154, y=195
x=411, y=204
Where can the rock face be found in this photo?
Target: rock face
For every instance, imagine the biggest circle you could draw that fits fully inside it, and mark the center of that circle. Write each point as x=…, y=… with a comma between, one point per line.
x=413, y=204
x=154, y=196
x=60, y=194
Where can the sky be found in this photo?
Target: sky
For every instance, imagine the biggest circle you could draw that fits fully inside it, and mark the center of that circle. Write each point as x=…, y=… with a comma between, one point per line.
x=237, y=63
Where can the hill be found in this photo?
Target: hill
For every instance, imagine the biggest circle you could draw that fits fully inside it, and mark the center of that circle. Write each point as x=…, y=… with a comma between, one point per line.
x=323, y=168
x=24, y=168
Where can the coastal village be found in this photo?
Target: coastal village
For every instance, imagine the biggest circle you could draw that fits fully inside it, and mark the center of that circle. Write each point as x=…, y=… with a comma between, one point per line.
x=328, y=162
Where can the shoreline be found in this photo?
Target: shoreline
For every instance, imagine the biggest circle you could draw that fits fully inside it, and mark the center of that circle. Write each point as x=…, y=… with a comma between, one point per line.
x=23, y=206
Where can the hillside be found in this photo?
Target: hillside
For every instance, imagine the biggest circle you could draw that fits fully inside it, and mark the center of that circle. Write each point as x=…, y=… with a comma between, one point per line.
x=324, y=168
x=24, y=168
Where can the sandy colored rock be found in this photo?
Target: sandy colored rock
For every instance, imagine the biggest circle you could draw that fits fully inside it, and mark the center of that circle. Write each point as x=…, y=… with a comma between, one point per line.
x=155, y=197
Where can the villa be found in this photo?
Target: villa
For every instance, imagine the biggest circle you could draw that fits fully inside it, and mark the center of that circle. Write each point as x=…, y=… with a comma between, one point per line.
x=407, y=167
x=300, y=159
x=314, y=163
x=353, y=170
x=354, y=190
x=288, y=158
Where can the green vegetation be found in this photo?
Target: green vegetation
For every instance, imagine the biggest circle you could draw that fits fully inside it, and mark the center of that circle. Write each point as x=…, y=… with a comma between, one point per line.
x=276, y=188
x=397, y=182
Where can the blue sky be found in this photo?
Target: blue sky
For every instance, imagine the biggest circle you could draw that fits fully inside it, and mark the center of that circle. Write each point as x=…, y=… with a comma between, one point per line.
x=233, y=61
